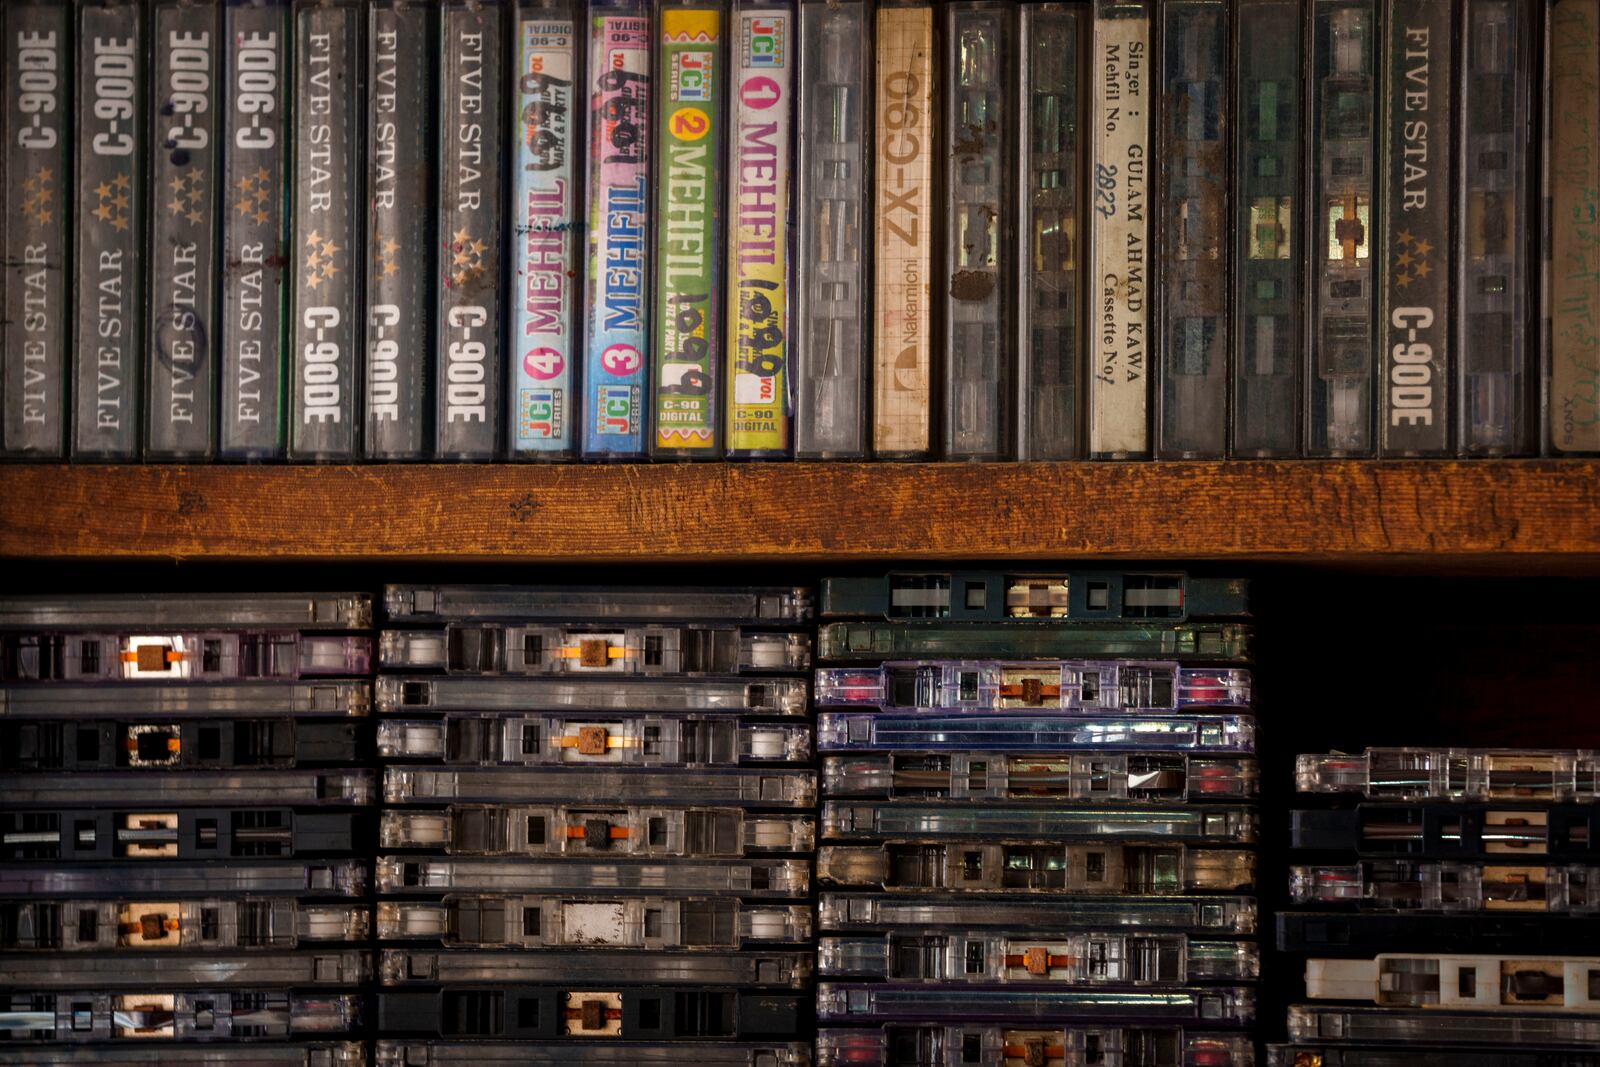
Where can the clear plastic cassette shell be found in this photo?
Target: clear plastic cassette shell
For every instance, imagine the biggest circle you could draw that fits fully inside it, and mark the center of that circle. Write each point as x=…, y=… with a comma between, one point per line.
x=338, y=878
x=763, y=879
x=588, y=741
x=406, y=967
x=864, y=1003
x=987, y=685
x=1461, y=982
x=1476, y=774
x=68, y=700
x=770, y=696
x=168, y=656
x=1509, y=1030
x=249, y=970
x=235, y=788
x=1453, y=830
x=854, y=731
x=1041, y=916
x=67, y=926
x=1075, y=596
x=569, y=1054
x=594, y=921
x=150, y=833
x=165, y=1015
x=754, y=788
x=958, y=956
x=849, y=820
x=1157, y=776
x=1334, y=1056
x=304, y=1054
x=773, y=605
x=92, y=746
x=595, y=650
x=577, y=1009
x=1408, y=885
x=1089, y=1045
x=1100, y=868
x=167, y=611
x=596, y=831
x=856, y=642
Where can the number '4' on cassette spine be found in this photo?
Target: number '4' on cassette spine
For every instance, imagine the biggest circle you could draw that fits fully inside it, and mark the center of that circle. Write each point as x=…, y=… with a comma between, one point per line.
x=112, y=148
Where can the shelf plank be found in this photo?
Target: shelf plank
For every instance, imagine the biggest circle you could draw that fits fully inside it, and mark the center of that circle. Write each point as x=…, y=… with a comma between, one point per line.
x=1496, y=515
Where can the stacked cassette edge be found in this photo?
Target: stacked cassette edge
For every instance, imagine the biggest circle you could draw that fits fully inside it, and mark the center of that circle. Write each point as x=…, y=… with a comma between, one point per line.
x=185, y=807
x=1446, y=903
x=1038, y=821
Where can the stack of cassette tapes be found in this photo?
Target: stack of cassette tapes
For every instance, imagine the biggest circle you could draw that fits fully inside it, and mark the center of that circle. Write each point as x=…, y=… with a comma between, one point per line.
x=1037, y=822
x=184, y=821
x=597, y=826
x=1451, y=899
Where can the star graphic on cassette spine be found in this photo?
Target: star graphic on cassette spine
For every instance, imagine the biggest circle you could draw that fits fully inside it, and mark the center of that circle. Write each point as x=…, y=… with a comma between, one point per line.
x=1410, y=261
x=112, y=202
x=388, y=251
x=321, y=259
x=466, y=258
x=37, y=194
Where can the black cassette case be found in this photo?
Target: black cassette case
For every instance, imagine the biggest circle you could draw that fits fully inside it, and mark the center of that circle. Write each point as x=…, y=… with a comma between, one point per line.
x=38, y=94
x=467, y=407
x=180, y=410
x=326, y=320
x=400, y=47
x=112, y=148
x=254, y=151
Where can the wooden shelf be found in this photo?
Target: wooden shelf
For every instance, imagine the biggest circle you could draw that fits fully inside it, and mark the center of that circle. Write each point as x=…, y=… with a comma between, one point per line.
x=1508, y=516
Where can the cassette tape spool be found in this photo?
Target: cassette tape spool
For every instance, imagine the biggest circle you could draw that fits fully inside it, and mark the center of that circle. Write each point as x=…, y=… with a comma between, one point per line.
x=1222, y=1006
x=1017, y=958
x=136, y=611
x=887, y=731
x=599, y=831
x=576, y=1054
x=770, y=696
x=557, y=740
x=1498, y=1030
x=1156, y=776
x=1098, y=868
x=313, y=968
x=102, y=745
x=936, y=1045
x=1473, y=774
x=1041, y=916
x=759, y=879
x=856, y=642
x=161, y=1015
x=937, y=822
x=127, y=789
x=1322, y=933
x=72, y=701
x=58, y=926
x=974, y=685
x=205, y=656
x=1405, y=885
x=1078, y=596
x=1480, y=983
x=594, y=650
x=317, y=1054
x=1561, y=832
x=763, y=968
x=151, y=833
x=628, y=1012
x=771, y=605
x=1333, y=1056
x=258, y=877
x=594, y=921
x=752, y=788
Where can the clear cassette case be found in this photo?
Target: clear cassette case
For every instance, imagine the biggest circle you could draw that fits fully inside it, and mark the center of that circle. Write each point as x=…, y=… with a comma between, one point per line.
x=1499, y=1030
x=236, y=788
x=1562, y=832
x=935, y=1045
x=853, y=642
x=935, y=821
x=313, y=1054
x=580, y=650
x=1475, y=774
x=1321, y=1055
x=771, y=696
x=567, y=605
x=151, y=833
x=1156, y=776
x=74, y=701
x=609, y=1054
x=554, y=740
x=1076, y=959
x=252, y=970
x=1408, y=885
x=594, y=921
x=852, y=1002
x=781, y=878
x=1481, y=983
x=93, y=745
x=1097, y=868
x=159, y=1015
x=785, y=789
x=936, y=732
x=586, y=832
x=66, y=926
x=404, y=967
x=987, y=685
x=250, y=878
x=1040, y=916
x=203, y=656
x=1076, y=596
x=188, y=611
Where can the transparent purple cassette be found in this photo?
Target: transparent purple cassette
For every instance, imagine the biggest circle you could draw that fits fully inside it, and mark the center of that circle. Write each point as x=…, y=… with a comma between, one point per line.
x=998, y=776
x=866, y=731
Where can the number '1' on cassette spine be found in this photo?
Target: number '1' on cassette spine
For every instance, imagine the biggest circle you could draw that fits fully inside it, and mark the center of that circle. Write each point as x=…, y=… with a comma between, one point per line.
x=112, y=149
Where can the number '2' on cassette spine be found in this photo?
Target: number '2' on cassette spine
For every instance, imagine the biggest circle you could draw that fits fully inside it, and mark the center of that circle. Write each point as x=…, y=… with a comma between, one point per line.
x=112, y=148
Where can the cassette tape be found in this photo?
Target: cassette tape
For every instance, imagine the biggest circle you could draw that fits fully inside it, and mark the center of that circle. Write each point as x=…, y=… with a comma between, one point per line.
x=770, y=788
x=138, y=612
x=1478, y=982
x=515, y=648
x=1334, y=1056
x=608, y=831
x=106, y=925
x=555, y=740
x=221, y=701
x=770, y=696
x=594, y=921
x=856, y=912
x=1370, y=933
x=1157, y=776
x=935, y=1045
x=569, y=605
x=578, y=1054
x=259, y=877
x=165, y=970
x=1076, y=596
x=580, y=1011
x=1405, y=885
x=313, y=788
x=154, y=1016
x=766, y=969
x=762, y=879
x=1565, y=833
x=852, y=642
x=52, y=656
x=864, y=1003
x=99, y=744
x=308, y=1054
x=955, y=957
x=934, y=821
x=934, y=732
x=1498, y=1030
x=1098, y=868
x=1454, y=774
x=154, y=833
x=987, y=685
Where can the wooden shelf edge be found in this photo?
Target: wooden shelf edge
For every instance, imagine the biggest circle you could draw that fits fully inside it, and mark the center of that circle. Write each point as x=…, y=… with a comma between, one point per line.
x=1497, y=514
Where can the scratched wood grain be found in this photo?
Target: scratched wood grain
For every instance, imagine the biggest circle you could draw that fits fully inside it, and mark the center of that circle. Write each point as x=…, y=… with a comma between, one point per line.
x=1499, y=515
